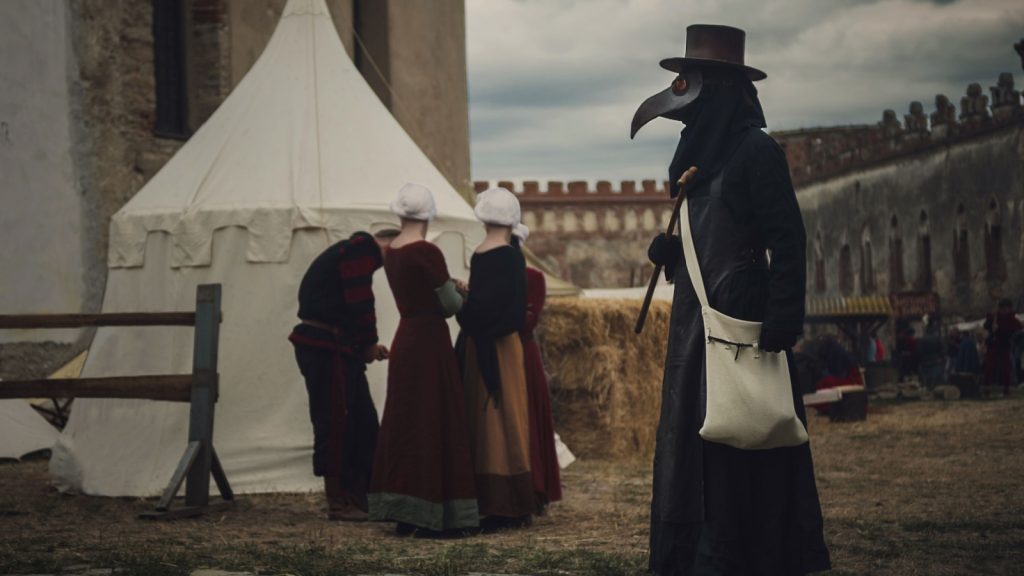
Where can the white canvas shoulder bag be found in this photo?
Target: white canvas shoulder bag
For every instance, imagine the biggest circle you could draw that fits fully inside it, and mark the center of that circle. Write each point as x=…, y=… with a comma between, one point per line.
x=749, y=395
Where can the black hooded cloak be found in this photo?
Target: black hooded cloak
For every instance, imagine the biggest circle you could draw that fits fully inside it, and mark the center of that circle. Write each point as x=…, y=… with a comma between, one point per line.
x=717, y=509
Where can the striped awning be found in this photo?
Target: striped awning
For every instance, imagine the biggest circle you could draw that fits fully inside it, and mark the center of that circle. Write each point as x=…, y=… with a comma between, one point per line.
x=855, y=307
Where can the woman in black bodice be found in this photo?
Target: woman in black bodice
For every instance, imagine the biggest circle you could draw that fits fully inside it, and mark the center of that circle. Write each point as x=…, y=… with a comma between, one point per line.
x=493, y=370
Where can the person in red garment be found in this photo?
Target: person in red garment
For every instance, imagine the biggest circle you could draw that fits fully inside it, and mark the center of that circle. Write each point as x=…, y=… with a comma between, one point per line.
x=839, y=367
x=1001, y=325
x=423, y=472
x=547, y=482
x=335, y=340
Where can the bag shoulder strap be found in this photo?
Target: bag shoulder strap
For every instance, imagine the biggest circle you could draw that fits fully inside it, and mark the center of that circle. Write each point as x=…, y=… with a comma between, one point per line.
x=689, y=250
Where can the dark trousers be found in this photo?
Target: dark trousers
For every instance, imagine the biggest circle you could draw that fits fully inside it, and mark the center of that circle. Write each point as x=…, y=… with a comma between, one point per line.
x=343, y=416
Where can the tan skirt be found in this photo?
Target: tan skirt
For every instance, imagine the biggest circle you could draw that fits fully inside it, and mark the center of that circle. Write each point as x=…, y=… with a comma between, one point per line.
x=500, y=432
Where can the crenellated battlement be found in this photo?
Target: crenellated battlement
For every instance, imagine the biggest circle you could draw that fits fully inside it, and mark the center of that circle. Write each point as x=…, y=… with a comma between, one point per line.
x=580, y=191
x=595, y=234
x=824, y=152
x=818, y=153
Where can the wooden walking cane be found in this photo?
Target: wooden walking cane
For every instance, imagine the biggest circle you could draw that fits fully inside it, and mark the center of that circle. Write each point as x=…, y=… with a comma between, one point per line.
x=672, y=221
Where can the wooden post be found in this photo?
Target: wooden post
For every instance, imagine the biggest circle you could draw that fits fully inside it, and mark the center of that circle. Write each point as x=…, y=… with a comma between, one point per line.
x=204, y=392
x=200, y=389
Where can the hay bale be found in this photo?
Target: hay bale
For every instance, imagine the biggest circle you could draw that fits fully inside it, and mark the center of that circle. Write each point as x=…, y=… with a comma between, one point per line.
x=946, y=392
x=605, y=380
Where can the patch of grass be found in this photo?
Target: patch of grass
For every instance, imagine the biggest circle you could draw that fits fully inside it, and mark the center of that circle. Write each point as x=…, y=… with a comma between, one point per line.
x=323, y=559
x=961, y=526
x=922, y=488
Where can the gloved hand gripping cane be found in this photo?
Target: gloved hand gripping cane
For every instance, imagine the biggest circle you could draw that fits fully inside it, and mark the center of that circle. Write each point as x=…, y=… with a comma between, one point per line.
x=672, y=221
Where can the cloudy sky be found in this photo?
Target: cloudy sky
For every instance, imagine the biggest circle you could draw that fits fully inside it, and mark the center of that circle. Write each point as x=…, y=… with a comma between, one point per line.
x=553, y=84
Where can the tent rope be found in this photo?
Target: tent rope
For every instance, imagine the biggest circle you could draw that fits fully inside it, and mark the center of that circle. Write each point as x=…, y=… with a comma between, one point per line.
x=319, y=150
x=396, y=101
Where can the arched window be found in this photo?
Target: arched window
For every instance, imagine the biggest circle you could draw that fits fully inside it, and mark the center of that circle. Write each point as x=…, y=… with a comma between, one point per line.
x=845, y=270
x=961, y=248
x=896, y=279
x=995, y=264
x=867, y=263
x=924, y=253
x=819, y=264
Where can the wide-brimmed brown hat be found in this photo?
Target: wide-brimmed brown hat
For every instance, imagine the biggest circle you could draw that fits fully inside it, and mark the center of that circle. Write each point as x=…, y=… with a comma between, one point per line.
x=715, y=46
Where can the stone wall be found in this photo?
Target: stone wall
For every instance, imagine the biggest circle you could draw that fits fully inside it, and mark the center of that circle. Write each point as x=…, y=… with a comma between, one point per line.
x=933, y=203
x=107, y=59
x=414, y=56
x=947, y=220
x=37, y=175
x=593, y=236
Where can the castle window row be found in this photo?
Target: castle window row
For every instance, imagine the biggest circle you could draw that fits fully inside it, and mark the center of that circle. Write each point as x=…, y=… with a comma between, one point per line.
x=957, y=257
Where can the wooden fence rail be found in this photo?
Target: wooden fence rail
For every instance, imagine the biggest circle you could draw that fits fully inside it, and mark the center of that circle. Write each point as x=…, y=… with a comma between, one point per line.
x=171, y=388
x=199, y=389
x=25, y=321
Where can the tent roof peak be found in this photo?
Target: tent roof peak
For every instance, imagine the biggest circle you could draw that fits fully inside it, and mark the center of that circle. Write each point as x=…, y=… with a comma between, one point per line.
x=303, y=7
x=301, y=142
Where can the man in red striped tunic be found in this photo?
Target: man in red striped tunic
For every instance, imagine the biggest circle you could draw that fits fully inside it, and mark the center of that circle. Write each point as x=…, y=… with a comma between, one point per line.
x=335, y=340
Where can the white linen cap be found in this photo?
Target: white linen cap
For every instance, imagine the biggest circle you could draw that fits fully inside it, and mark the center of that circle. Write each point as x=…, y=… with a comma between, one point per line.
x=497, y=206
x=414, y=202
x=521, y=231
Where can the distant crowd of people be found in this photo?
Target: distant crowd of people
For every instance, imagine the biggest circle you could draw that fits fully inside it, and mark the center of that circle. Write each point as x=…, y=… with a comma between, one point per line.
x=994, y=352
x=466, y=441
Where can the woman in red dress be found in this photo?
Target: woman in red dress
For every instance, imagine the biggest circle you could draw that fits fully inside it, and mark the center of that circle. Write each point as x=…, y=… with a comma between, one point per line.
x=423, y=470
x=547, y=483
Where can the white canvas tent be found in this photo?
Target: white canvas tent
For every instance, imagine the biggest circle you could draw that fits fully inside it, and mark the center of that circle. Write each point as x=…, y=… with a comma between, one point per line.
x=301, y=154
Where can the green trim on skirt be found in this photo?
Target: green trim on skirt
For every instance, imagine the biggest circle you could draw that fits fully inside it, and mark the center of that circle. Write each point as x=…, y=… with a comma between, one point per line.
x=438, y=516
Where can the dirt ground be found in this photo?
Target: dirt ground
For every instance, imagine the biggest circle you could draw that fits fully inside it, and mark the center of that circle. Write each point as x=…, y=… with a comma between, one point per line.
x=927, y=487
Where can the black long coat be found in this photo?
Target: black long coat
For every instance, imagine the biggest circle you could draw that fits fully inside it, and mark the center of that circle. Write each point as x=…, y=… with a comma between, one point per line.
x=716, y=509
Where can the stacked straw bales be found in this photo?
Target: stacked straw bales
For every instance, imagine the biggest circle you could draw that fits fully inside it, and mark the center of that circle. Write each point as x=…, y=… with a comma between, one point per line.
x=605, y=380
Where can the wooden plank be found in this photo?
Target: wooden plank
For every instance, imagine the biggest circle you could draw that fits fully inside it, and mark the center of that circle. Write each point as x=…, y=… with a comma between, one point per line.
x=26, y=321
x=184, y=465
x=220, y=477
x=173, y=388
